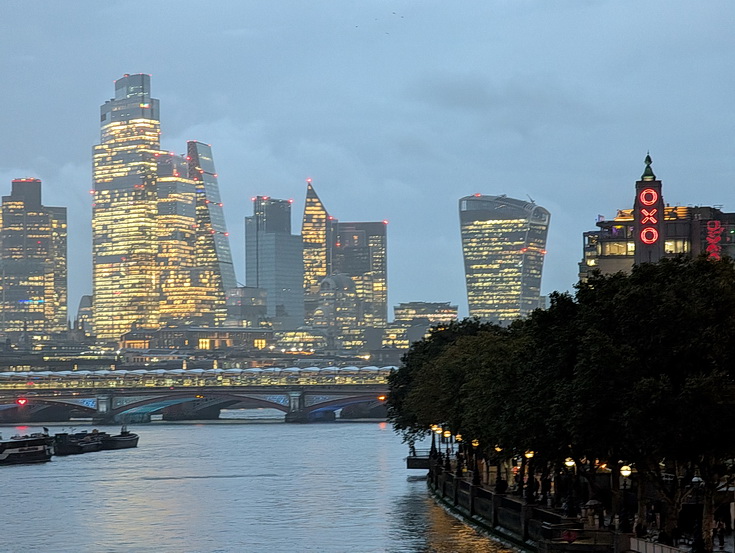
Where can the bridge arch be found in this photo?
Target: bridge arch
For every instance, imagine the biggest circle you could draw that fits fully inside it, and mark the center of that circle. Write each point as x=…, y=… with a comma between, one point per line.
x=215, y=399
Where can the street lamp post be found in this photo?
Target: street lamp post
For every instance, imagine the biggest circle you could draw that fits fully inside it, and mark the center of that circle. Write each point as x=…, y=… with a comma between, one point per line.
x=625, y=472
x=476, y=480
x=571, y=510
x=531, y=478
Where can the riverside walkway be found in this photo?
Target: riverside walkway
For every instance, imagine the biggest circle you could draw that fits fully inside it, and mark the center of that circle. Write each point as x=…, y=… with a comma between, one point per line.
x=536, y=526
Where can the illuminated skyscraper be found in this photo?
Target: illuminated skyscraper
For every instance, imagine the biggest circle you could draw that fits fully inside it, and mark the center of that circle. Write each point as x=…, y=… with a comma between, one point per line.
x=360, y=252
x=273, y=261
x=212, y=251
x=317, y=229
x=152, y=261
x=32, y=261
x=504, y=244
x=124, y=226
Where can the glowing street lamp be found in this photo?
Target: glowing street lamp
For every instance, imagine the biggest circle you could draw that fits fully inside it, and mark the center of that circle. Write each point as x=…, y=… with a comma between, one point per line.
x=625, y=472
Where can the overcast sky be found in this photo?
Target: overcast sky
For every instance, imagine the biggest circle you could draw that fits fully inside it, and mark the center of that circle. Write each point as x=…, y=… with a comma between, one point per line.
x=394, y=109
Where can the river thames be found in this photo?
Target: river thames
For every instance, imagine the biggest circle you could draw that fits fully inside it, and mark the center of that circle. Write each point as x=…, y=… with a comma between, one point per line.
x=232, y=487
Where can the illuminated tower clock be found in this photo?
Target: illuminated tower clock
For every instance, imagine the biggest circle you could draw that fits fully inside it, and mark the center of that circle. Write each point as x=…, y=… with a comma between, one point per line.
x=648, y=213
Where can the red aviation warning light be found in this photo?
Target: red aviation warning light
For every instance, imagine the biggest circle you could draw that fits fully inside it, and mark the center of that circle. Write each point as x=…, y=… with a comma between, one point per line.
x=21, y=401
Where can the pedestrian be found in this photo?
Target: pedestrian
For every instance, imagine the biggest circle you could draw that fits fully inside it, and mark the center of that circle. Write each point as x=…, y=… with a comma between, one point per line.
x=720, y=531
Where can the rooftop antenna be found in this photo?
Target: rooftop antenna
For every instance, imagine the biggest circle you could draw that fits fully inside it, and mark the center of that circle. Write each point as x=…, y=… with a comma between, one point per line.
x=530, y=198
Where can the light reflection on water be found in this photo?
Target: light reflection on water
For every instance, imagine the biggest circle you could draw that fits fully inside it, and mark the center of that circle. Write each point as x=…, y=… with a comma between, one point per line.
x=232, y=488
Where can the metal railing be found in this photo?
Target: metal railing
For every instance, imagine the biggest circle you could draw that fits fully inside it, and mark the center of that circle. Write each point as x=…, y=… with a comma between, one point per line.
x=643, y=546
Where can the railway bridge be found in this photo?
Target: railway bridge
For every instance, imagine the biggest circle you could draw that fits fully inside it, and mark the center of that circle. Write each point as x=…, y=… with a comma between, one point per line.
x=113, y=396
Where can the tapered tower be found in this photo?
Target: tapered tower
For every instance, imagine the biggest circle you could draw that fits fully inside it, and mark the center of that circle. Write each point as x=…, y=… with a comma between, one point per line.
x=504, y=244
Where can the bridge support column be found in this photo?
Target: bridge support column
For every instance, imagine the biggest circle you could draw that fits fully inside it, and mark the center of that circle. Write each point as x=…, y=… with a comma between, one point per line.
x=296, y=406
x=295, y=401
x=104, y=407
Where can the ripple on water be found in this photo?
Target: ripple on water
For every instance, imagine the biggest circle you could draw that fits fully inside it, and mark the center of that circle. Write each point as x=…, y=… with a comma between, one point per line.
x=236, y=488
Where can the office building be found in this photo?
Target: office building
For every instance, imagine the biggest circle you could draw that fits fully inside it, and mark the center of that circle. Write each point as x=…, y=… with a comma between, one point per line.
x=317, y=232
x=152, y=263
x=274, y=261
x=339, y=313
x=433, y=312
x=504, y=244
x=247, y=307
x=212, y=250
x=652, y=230
x=360, y=252
x=33, y=267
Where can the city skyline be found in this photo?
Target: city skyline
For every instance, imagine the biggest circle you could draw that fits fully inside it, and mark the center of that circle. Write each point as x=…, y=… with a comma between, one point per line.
x=389, y=121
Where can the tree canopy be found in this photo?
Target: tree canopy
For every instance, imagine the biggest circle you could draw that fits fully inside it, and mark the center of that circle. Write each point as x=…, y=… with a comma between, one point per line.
x=634, y=367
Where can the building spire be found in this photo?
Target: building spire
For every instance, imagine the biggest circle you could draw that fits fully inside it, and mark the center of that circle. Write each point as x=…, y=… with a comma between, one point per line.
x=648, y=172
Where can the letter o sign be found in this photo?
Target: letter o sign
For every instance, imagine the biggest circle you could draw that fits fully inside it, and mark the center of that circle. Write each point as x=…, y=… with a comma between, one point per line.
x=648, y=196
x=649, y=235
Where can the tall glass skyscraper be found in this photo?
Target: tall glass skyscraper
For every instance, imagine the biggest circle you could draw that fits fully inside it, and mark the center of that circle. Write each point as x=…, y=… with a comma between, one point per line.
x=152, y=264
x=317, y=232
x=124, y=228
x=213, y=244
x=274, y=262
x=33, y=253
x=504, y=244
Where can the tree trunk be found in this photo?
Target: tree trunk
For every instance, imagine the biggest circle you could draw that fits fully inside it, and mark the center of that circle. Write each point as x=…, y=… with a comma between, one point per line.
x=708, y=516
x=615, y=489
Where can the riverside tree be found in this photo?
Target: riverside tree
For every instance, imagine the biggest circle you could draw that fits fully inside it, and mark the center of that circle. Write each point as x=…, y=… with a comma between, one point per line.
x=636, y=367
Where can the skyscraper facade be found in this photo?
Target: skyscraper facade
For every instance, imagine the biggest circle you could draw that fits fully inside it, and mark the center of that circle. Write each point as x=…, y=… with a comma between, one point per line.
x=212, y=239
x=124, y=230
x=33, y=268
x=274, y=261
x=504, y=244
x=317, y=232
x=360, y=252
x=153, y=264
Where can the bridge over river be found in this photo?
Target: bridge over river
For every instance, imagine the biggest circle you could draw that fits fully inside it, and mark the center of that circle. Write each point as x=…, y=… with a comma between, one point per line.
x=113, y=396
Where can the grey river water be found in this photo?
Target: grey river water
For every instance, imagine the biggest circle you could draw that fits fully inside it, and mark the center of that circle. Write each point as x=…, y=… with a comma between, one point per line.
x=231, y=487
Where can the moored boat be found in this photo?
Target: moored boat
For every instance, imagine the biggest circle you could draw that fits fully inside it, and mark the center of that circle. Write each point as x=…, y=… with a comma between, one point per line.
x=80, y=442
x=33, y=448
x=122, y=440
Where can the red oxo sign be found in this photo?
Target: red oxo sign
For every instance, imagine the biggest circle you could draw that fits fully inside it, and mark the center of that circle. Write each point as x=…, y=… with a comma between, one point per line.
x=649, y=216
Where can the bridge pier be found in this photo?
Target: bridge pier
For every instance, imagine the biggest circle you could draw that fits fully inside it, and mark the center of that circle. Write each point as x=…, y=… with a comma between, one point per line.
x=104, y=406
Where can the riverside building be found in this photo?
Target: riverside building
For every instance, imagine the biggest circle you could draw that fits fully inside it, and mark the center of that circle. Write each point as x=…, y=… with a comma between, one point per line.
x=504, y=245
x=33, y=266
x=652, y=230
x=152, y=261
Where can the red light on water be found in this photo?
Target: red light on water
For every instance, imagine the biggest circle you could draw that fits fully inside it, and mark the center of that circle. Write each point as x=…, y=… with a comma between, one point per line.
x=21, y=401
